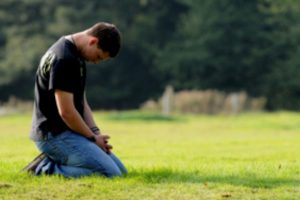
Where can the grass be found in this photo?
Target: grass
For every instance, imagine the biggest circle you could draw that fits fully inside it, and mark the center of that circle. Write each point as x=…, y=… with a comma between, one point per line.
x=250, y=156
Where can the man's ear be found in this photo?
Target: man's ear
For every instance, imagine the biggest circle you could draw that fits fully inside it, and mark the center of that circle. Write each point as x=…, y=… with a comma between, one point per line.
x=93, y=40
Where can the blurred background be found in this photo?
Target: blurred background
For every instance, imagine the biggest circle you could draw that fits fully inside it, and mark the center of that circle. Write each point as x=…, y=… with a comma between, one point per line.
x=207, y=56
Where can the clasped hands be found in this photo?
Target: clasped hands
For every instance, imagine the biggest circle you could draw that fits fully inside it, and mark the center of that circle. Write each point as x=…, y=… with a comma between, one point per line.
x=102, y=142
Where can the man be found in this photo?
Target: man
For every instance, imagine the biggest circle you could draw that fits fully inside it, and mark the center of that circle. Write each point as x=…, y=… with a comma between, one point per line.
x=63, y=127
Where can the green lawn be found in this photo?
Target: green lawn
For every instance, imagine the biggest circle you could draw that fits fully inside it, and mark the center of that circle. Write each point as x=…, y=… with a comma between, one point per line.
x=250, y=156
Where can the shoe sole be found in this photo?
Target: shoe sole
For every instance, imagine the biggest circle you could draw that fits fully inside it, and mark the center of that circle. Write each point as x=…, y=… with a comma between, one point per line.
x=33, y=164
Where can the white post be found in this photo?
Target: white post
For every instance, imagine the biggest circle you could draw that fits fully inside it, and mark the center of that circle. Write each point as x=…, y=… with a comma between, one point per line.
x=167, y=100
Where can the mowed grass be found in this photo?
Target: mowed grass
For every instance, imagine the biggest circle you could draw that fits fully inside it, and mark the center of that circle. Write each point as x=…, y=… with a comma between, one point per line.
x=249, y=156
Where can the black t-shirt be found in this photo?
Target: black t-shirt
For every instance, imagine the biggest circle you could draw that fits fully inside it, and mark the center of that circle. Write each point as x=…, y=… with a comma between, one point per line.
x=60, y=68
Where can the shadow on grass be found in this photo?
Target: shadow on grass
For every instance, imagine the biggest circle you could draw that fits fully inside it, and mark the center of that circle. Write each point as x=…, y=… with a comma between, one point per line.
x=142, y=116
x=171, y=176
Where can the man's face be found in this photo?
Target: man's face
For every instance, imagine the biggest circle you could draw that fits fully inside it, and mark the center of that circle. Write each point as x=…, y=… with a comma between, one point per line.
x=95, y=54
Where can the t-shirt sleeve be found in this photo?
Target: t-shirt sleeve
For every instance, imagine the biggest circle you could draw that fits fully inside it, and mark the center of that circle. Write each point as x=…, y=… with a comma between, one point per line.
x=63, y=76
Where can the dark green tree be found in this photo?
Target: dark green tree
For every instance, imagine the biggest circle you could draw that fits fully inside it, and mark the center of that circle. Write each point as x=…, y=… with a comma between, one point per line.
x=282, y=86
x=229, y=45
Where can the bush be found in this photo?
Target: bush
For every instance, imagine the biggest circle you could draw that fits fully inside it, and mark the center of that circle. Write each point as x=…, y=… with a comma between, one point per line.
x=14, y=105
x=207, y=102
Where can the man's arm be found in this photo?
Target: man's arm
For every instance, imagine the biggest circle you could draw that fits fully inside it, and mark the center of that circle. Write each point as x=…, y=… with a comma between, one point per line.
x=73, y=119
x=88, y=117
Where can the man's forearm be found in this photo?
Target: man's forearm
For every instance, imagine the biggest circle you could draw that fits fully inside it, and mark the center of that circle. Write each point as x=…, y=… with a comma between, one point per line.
x=70, y=115
x=88, y=118
x=76, y=123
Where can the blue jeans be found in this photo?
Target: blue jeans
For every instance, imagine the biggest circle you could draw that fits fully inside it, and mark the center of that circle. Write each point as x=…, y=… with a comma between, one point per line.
x=72, y=155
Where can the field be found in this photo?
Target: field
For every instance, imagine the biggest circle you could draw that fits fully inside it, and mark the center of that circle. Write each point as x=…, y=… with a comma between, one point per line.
x=249, y=156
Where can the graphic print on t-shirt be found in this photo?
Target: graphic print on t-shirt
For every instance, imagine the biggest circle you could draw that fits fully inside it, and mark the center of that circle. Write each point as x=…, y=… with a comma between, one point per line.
x=47, y=62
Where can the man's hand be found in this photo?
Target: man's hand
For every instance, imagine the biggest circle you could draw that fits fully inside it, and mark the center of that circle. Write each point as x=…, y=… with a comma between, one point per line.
x=102, y=142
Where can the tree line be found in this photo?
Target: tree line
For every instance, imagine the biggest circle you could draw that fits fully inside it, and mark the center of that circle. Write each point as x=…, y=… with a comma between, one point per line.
x=228, y=45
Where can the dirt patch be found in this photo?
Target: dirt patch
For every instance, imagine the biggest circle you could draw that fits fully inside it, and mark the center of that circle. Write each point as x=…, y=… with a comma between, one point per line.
x=5, y=185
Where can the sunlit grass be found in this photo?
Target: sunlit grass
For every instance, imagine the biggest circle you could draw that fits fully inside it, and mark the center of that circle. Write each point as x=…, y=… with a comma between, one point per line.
x=249, y=156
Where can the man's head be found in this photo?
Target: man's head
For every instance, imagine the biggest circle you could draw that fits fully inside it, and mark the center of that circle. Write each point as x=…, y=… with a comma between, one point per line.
x=104, y=41
x=109, y=37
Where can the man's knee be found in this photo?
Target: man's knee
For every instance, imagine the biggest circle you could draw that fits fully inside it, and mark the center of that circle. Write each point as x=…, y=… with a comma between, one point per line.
x=109, y=171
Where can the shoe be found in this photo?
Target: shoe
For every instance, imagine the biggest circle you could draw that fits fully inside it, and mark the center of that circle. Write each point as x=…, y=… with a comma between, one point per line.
x=30, y=168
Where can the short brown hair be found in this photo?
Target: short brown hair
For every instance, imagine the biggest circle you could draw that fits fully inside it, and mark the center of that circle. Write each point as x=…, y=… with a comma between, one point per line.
x=109, y=37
